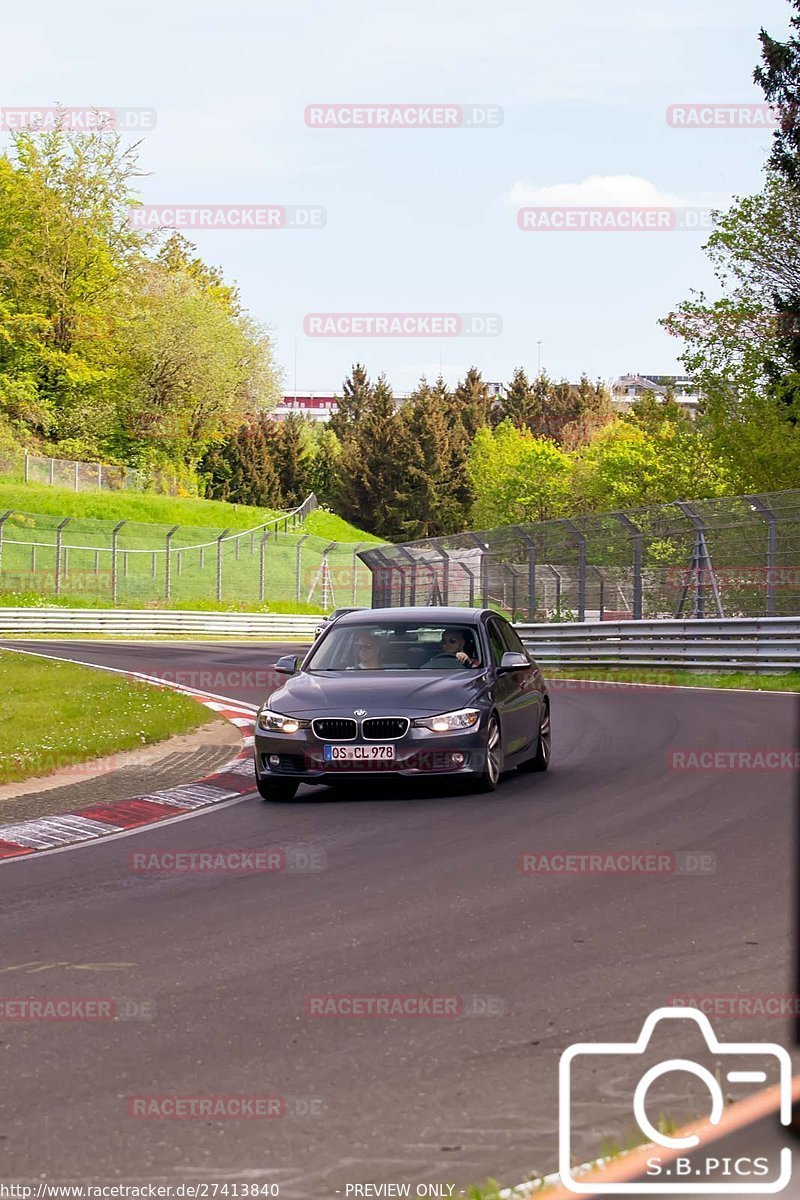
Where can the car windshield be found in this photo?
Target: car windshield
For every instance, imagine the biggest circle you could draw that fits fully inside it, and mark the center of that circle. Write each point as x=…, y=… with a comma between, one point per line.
x=388, y=646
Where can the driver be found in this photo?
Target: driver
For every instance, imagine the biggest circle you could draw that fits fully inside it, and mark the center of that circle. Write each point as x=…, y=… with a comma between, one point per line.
x=453, y=645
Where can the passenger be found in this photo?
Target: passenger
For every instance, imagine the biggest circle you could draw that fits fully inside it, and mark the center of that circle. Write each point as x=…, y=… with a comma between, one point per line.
x=368, y=651
x=453, y=645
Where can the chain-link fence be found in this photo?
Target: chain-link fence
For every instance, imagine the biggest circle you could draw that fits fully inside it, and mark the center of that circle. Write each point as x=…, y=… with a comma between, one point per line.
x=735, y=556
x=96, y=477
x=133, y=563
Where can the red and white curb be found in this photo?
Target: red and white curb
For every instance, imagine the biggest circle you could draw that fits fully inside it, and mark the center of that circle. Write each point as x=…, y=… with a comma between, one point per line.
x=235, y=779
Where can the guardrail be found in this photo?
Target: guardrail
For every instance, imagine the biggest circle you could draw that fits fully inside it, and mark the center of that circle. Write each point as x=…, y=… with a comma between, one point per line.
x=728, y=644
x=153, y=622
x=721, y=644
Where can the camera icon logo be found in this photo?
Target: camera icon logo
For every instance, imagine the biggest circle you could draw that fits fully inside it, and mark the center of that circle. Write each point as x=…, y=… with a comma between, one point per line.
x=694, y=1175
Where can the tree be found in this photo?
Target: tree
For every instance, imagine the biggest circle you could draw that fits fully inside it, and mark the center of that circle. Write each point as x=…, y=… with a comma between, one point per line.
x=631, y=464
x=373, y=489
x=591, y=411
x=291, y=457
x=435, y=503
x=242, y=469
x=324, y=465
x=519, y=403
x=471, y=403
x=351, y=405
x=779, y=78
x=517, y=477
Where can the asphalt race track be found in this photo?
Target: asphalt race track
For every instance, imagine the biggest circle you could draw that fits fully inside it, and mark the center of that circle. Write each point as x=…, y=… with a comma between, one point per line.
x=422, y=895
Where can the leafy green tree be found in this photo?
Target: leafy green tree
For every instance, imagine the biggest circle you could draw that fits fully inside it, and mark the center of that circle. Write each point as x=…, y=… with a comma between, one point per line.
x=518, y=477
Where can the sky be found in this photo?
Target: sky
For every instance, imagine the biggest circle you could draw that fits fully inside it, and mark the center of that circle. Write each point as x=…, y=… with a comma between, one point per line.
x=425, y=220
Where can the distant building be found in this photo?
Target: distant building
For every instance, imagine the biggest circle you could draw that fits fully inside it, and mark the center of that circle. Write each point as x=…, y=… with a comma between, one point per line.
x=629, y=388
x=319, y=406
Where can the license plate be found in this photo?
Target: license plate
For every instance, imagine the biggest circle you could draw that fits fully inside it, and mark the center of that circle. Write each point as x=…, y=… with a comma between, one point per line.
x=371, y=753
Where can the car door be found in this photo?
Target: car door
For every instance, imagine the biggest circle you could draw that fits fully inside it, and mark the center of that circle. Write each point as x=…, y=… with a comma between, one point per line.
x=507, y=693
x=527, y=695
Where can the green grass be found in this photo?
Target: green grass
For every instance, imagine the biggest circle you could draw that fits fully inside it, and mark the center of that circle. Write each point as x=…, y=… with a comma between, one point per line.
x=59, y=714
x=291, y=559
x=131, y=506
x=336, y=529
x=788, y=681
x=43, y=600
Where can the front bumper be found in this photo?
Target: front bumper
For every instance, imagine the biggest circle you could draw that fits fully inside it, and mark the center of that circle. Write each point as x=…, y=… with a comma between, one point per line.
x=420, y=752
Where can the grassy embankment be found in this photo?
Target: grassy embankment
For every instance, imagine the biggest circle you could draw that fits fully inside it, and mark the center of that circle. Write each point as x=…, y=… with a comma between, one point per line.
x=58, y=715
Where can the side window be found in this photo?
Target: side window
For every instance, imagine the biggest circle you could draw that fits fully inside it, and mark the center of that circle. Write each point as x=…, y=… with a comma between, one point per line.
x=496, y=643
x=511, y=638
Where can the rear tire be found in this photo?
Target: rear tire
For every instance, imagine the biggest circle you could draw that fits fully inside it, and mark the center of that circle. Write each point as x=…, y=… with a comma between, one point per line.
x=276, y=789
x=541, y=759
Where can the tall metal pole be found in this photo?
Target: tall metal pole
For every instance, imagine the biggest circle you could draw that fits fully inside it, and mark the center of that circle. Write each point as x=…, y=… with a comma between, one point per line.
x=168, y=563
x=224, y=534
x=59, y=533
x=637, y=539
x=772, y=549
x=114, y=536
x=3, y=520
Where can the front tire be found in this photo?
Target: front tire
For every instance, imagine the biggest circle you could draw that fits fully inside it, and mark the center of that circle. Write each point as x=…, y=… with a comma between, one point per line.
x=541, y=759
x=489, y=777
x=276, y=789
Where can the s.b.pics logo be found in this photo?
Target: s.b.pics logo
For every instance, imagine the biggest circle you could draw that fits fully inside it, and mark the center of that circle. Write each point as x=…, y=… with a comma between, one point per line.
x=678, y=1162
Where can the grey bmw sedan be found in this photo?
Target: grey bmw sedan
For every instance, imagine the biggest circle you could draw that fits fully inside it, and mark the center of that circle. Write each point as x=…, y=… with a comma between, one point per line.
x=412, y=692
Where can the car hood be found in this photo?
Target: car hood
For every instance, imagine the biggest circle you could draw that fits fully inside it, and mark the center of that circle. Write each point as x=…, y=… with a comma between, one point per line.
x=396, y=693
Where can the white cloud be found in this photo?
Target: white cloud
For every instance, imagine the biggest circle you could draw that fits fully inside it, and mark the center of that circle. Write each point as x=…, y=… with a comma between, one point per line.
x=607, y=190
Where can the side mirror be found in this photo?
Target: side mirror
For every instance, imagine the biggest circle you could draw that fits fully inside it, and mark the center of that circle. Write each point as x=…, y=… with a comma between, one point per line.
x=512, y=660
x=286, y=665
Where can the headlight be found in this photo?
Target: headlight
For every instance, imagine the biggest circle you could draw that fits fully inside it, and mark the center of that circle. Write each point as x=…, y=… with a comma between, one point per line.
x=275, y=722
x=462, y=718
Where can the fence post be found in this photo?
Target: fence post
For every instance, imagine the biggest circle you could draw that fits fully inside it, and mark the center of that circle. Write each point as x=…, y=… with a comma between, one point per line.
x=772, y=548
x=52, y=470
x=224, y=533
x=412, y=587
x=580, y=538
x=27, y=468
x=114, y=536
x=97, y=562
x=261, y=564
x=3, y=520
x=168, y=564
x=297, y=558
x=701, y=563
x=355, y=570
x=558, y=588
x=59, y=532
x=99, y=477
x=530, y=546
x=637, y=539
x=76, y=476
